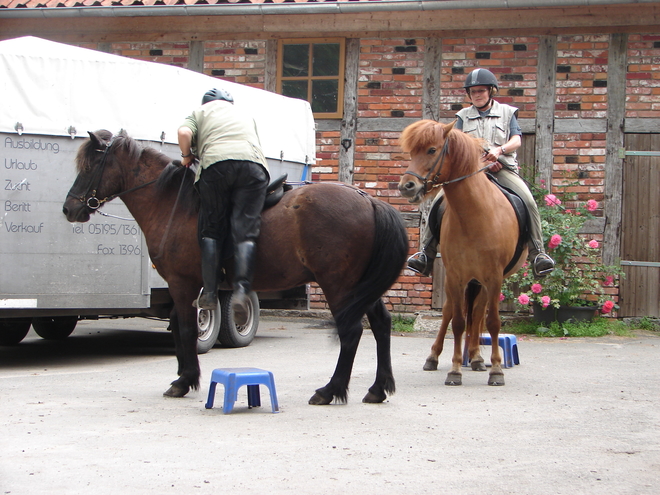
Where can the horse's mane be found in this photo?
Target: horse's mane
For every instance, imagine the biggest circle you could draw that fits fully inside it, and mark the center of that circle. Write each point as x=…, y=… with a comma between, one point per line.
x=172, y=178
x=424, y=134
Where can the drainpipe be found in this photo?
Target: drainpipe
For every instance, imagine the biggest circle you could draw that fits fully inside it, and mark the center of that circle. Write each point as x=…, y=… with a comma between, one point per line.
x=298, y=8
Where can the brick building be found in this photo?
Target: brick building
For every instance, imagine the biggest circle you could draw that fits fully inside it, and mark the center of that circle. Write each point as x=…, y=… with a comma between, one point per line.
x=583, y=74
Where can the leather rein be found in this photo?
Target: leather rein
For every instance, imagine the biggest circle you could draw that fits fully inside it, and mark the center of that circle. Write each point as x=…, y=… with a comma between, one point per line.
x=434, y=181
x=90, y=200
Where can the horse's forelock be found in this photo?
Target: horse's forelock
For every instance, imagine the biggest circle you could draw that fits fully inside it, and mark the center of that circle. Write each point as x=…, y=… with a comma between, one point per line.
x=420, y=135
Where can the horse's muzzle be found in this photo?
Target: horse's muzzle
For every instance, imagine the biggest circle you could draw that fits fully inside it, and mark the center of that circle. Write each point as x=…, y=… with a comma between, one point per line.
x=411, y=190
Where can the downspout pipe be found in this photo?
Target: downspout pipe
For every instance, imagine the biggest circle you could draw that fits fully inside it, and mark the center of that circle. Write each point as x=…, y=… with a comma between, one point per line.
x=297, y=8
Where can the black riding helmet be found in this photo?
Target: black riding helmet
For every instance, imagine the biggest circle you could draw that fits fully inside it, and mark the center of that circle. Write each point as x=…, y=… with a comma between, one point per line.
x=482, y=77
x=217, y=94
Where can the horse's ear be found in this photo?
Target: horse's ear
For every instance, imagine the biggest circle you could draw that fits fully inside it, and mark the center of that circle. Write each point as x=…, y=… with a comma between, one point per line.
x=448, y=127
x=96, y=141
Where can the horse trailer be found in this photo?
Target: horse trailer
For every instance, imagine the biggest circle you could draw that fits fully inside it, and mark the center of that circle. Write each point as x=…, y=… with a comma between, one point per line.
x=54, y=272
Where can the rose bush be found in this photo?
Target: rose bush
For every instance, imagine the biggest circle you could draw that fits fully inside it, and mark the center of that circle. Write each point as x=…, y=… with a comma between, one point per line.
x=579, y=276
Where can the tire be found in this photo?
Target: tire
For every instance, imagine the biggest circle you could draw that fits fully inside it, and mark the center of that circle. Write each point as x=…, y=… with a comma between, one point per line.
x=13, y=330
x=56, y=327
x=232, y=335
x=208, y=328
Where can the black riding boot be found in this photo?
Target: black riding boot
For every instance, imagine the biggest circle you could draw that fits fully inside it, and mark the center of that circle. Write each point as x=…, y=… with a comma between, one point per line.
x=243, y=273
x=208, y=299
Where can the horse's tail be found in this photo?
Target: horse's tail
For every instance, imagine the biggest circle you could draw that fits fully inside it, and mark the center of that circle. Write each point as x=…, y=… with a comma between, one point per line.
x=390, y=250
x=471, y=292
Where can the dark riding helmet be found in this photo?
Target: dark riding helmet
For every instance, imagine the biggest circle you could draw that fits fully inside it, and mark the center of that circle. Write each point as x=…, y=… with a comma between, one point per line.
x=217, y=94
x=481, y=77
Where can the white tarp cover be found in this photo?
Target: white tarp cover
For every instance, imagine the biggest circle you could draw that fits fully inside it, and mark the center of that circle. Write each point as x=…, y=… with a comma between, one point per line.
x=50, y=87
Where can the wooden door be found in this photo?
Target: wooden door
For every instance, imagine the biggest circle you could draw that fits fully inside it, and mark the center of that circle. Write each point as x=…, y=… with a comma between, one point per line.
x=640, y=227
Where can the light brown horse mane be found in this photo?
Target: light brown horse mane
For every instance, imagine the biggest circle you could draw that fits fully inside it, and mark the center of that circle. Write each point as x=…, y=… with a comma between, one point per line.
x=420, y=136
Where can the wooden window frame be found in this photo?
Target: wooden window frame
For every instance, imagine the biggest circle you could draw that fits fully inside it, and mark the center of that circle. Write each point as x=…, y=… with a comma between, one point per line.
x=340, y=77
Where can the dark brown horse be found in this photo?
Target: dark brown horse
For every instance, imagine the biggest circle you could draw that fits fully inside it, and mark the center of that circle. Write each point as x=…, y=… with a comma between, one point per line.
x=478, y=238
x=352, y=245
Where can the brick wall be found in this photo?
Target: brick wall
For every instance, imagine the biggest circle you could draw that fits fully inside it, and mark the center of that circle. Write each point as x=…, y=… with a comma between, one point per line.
x=643, y=78
x=390, y=85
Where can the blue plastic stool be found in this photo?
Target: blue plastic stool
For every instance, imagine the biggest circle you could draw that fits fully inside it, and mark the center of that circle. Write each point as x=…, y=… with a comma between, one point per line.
x=235, y=378
x=506, y=341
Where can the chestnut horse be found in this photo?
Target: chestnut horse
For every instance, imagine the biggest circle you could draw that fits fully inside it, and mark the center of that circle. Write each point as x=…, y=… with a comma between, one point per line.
x=352, y=245
x=478, y=238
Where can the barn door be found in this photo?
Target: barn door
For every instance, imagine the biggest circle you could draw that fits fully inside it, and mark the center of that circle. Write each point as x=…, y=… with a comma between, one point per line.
x=640, y=226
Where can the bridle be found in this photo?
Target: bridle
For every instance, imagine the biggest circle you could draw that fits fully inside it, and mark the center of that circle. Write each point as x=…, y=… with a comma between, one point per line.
x=434, y=181
x=89, y=197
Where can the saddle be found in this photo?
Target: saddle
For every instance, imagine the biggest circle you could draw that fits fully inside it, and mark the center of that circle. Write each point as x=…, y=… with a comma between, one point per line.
x=276, y=190
x=521, y=214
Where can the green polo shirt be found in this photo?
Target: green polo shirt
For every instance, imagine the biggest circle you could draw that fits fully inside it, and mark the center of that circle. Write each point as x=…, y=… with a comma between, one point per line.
x=223, y=132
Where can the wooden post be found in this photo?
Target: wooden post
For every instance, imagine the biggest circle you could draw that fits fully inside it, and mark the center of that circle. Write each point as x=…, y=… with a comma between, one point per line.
x=270, y=75
x=546, y=77
x=616, y=103
x=349, y=121
x=196, y=56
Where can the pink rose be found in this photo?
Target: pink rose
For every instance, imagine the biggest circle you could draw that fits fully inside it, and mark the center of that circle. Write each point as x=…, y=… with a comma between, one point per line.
x=555, y=241
x=592, y=205
x=593, y=244
x=609, y=280
x=552, y=200
x=501, y=297
x=607, y=307
x=523, y=299
x=536, y=288
x=545, y=301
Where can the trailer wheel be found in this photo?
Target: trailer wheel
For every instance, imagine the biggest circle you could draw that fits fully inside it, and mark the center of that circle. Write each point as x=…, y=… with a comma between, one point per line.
x=54, y=328
x=13, y=330
x=208, y=328
x=232, y=335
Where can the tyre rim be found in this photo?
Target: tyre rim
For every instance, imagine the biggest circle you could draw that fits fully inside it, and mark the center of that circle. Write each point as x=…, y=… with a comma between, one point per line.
x=204, y=324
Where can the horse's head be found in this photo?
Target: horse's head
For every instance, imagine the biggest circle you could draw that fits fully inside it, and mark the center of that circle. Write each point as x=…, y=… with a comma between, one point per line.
x=426, y=141
x=99, y=179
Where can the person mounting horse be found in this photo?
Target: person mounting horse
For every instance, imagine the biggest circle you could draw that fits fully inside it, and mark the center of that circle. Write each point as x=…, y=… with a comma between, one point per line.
x=497, y=124
x=232, y=178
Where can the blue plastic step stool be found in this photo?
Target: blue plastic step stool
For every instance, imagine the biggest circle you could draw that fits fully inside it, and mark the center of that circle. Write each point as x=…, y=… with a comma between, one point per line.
x=506, y=341
x=235, y=378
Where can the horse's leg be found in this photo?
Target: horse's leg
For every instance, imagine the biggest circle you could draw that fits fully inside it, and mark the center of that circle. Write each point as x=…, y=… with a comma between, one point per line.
x=431, y=363
x=454, y=377
x=174, y=328
x=496, y=376
x=187, y=348
x=349, y=338
x=475, y=326
x=381, y=326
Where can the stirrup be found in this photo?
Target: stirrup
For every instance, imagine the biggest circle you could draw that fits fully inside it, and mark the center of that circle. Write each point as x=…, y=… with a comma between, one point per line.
x=544, y=271
x=197, y=302
x=419, y=263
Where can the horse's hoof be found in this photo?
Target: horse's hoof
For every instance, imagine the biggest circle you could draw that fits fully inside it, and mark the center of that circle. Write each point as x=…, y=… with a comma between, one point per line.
x=372, y=398
x=454, y=379
x=496, y=379
x=176, y=391
x=318, y=400
x=431, y=364
x=478, y=365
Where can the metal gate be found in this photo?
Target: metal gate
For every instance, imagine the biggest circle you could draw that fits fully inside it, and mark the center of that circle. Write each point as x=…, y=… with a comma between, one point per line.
x=640, y=226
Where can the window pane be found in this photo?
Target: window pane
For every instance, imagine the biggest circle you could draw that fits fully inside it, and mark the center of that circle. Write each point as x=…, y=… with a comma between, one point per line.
x=295, y=89
x=326, y=59
x=295, y=61
x=324, y=95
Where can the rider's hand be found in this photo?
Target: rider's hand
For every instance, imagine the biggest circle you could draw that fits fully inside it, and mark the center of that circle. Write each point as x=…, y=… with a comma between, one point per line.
x=491, y=157
x=187, y=161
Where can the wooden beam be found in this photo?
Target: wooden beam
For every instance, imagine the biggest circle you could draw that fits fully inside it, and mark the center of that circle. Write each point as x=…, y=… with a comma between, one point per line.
x=432, y=65
x=602, y=19
x=545, y=107
x=349, y=121
x=270, y=75
x=196, y=56
x=616, y=103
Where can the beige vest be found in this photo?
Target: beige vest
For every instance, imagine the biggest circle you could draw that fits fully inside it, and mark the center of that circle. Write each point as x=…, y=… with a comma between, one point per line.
x=494, y=128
